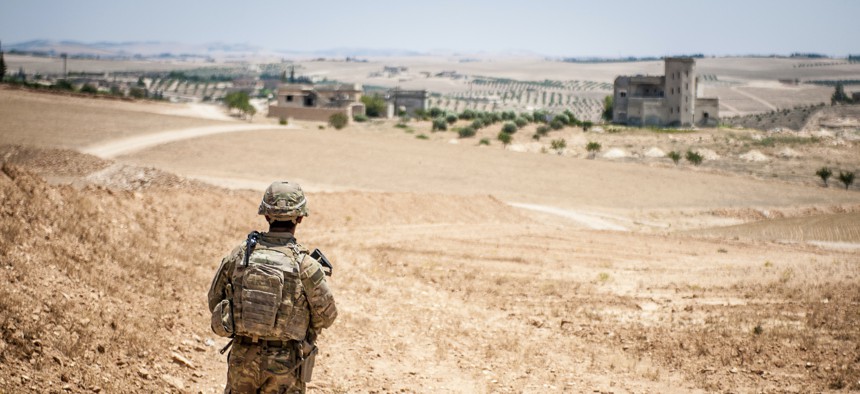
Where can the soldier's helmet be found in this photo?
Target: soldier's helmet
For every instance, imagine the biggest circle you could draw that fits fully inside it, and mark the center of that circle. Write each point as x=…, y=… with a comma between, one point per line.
x=283, y=201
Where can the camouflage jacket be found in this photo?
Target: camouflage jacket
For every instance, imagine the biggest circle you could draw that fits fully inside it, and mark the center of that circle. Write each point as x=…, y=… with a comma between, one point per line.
x=317, y=297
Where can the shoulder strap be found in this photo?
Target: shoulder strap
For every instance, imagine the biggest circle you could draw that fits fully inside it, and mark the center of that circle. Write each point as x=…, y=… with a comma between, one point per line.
x=250, y=244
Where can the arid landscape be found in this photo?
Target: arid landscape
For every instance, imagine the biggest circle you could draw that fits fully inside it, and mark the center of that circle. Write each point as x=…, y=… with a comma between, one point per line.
x=459, y=267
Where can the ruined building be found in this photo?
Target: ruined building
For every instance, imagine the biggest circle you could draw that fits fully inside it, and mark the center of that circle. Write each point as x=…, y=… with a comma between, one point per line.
x=406, y=101
x=667, y=100
x=317, y=103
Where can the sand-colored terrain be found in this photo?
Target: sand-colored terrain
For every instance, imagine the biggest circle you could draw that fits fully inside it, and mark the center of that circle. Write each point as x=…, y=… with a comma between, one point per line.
x=442, y=285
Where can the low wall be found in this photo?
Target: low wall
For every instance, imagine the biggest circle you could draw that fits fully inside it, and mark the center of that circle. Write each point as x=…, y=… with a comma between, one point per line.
x=312, y=114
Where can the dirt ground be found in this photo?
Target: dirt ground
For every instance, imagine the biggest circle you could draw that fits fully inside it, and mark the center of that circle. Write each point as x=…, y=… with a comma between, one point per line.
x=441, y=284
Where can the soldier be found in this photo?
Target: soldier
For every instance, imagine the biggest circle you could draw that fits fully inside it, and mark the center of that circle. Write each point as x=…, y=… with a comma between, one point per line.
x=271, y=297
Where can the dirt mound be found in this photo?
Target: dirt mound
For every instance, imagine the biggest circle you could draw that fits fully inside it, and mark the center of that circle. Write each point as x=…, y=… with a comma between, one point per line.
x=58, y=162
x=788, y=153
x=754, y=156
x=66, y=166
x=655, y=152
x=837, y=227
x=615, y=153
x=84, y=311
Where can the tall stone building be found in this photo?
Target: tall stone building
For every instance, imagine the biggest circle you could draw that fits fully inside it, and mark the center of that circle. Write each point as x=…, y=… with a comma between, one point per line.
x=667, y=100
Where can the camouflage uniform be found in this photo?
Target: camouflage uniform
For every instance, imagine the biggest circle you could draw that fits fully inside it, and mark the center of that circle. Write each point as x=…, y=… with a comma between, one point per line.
x=268, y=365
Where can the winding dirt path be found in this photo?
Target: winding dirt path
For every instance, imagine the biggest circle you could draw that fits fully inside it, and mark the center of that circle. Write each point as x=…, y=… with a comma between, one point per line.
x=589, y=221
x=111, y=149
x=755, y=98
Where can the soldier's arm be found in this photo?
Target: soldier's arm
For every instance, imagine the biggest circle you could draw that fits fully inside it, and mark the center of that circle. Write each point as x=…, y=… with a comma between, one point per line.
x=320, y=299
x=217, y=291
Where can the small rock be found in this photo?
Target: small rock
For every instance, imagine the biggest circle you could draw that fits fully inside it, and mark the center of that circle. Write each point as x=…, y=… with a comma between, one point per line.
x=100, y=348
x=144, y=373
x=64, y=378
x=734, y=370
x=209, y=342
x=181, y=360
x=177, y=383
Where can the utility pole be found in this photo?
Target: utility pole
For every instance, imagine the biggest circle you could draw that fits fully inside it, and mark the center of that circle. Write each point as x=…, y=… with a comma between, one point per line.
x=65, y=61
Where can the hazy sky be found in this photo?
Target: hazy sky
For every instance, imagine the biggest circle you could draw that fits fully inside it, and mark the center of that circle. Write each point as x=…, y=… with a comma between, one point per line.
x=550, y=27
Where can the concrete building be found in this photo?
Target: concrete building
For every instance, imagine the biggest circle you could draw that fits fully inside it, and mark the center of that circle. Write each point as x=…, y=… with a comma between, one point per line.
x=407, y=101
x=317, y=103
x=667, y=100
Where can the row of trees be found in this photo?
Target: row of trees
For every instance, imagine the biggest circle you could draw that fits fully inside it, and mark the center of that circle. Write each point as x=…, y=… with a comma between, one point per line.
x=846, y=177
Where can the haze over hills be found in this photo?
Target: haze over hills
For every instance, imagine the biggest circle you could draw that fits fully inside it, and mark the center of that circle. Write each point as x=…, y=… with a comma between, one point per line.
x=222, y=50
x=215, y=50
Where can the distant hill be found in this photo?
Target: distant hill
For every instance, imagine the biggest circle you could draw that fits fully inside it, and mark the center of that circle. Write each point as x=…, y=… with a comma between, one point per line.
x=160, y=49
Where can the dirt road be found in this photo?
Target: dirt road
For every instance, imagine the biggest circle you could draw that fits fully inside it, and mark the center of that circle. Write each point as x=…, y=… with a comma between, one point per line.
x=111, y=149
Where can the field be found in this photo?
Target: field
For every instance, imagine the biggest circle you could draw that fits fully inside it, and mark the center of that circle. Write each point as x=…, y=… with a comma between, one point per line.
x=745, y=85
x=460, y=267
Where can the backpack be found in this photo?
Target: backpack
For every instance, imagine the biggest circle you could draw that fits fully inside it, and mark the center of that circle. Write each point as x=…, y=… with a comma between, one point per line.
x=268, y=297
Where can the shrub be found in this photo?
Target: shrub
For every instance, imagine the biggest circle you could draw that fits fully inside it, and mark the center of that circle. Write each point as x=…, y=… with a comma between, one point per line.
x=572, y=120
x=451, y=119
x=484, y=141
x=62, y=84
x=539, y=116
x=321, y=127
x=556, y=124
x=592, y=148
x=509, y=128
x=847, y=178
x=505, y=138
x=435, y=112
x=824, y=173
x=89, y=89
x=466, y=132
x=521, y=122
x=536, y=136
x=422, y=137
x=694, y=158
x=509, y=115
x=607, y=109
x=137, y=93
x=439, y=124
x=401, y=125
x=587, y=125
x=468, y=114
x=543, y=130
x=675, y=156
x=558, y=145
x=561, y=118
x=338, y=120
x=527, y=116
x=282, y=121
x=359, y=118
x=477, y=124
x=374, y=105
x=421, y=114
